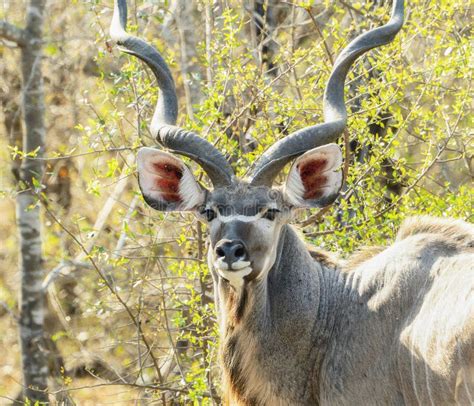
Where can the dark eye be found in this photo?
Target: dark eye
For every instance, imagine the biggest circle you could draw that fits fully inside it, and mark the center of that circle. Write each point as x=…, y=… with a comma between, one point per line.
x=209, y=214
x=270, y=214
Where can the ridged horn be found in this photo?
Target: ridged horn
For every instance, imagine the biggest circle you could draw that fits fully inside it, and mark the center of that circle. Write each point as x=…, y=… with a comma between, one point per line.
x=163, y=123
x=335, y=115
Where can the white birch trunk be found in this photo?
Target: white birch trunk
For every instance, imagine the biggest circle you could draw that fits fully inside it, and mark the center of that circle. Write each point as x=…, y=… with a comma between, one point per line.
x=35, y=368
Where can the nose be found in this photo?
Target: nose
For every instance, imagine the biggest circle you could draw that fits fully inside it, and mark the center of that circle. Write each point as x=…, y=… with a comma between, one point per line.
x=231, y=251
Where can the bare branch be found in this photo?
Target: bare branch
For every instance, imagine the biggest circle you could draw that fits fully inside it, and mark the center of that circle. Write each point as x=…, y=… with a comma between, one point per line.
x=12, y=33
x=9, y=310
x=320, y=33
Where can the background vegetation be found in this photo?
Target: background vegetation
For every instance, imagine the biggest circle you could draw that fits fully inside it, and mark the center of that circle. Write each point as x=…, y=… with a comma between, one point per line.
x=129, y=296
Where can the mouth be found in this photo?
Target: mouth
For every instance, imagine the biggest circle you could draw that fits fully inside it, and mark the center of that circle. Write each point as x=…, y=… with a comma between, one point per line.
x=235, y=275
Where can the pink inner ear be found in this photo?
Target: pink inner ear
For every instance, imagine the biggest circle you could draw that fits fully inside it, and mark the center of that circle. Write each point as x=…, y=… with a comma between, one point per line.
x=167, y=179
x=312, y=166
x=311, y=177
x=169, y=170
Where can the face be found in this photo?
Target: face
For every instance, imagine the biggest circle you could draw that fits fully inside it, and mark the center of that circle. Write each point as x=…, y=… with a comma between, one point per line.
x=244, y=227
x=245, y=221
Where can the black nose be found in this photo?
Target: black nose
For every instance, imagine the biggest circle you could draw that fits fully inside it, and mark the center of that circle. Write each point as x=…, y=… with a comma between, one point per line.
x=231, y=251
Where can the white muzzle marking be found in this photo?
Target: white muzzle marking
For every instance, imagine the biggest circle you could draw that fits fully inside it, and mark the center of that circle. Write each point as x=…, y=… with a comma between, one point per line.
x=240, y=269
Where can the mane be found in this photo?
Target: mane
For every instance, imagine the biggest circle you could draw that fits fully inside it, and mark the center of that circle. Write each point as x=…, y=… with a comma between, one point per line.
x=457, y=231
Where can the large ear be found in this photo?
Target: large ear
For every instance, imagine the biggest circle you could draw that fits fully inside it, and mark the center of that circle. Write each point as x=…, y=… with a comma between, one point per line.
x=166, y=182
x=315, y=177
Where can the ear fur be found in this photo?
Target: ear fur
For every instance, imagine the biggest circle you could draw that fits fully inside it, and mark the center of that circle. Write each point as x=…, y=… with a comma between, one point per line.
x=166, y=183
x=315, y=178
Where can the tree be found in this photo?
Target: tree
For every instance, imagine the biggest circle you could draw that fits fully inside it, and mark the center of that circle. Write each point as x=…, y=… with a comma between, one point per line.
x=30, y=41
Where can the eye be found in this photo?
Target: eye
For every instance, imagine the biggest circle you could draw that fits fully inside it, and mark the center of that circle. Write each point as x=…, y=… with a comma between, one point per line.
x=270, y=214
x=209, y=214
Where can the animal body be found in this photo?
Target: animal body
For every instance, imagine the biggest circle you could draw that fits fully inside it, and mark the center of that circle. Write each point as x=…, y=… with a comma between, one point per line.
x=390, y=328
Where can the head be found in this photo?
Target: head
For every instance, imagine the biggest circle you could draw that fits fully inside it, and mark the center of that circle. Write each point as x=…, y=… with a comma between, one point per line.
x=245, y=217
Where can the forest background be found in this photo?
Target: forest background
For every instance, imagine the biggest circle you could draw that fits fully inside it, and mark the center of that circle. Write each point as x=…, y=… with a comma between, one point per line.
x=129, y=311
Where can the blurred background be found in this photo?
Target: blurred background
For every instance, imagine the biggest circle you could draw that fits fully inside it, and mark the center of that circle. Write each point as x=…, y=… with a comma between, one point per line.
x=129, y=311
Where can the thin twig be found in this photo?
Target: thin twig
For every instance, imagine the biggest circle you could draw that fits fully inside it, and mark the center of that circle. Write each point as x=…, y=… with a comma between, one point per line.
x=323, y=40
x=12, y=33
x=123, y=234
x=9, y=310
x=133, y=385
x=100, y=151
x=366, y=16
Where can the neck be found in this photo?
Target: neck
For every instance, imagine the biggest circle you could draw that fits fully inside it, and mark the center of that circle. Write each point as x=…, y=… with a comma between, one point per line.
x=274, y=331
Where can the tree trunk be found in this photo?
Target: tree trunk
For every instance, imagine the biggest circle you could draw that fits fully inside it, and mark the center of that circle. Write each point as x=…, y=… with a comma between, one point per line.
x=35, y=369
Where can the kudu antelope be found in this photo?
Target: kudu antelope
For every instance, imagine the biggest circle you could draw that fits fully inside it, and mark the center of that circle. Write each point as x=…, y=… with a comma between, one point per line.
x=296, y=329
